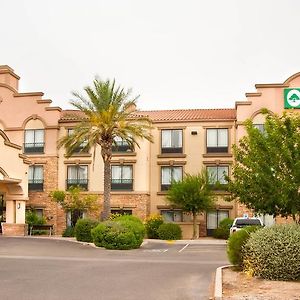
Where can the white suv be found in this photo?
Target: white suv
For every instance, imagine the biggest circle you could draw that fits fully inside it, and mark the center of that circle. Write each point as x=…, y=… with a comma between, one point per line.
x=240, y=223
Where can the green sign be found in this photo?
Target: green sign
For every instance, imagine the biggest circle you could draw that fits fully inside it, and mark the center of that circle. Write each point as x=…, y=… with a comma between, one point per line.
x=292, y=98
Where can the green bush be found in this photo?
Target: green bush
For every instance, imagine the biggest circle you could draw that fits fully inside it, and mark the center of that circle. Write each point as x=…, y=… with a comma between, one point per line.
x=129, y=218
x=235, y=243
x=123, y=233
x=83, y=229
x=274, y=253
x=69, y=232
x=169, y=231
x=32, y=218
x=152, y=224
x=222, y=232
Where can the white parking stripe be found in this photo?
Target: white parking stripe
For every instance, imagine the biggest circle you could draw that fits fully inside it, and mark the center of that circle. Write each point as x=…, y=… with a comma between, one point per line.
x=183, y=248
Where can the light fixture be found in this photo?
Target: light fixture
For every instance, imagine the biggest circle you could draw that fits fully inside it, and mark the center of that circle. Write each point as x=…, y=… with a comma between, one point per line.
x=19, y=205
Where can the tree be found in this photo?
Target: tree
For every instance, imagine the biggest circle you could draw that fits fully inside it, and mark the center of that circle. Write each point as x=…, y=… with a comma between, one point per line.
x=74, y=202
x=193, y=194
x=107, y=112
x=266, y=172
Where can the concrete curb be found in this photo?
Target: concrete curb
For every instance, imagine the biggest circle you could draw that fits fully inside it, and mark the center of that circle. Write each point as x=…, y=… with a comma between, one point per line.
x=146, y=241
x=218, y=292
x=191, y=242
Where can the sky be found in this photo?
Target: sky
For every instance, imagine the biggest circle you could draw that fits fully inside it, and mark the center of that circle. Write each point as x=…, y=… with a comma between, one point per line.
x=174, y=54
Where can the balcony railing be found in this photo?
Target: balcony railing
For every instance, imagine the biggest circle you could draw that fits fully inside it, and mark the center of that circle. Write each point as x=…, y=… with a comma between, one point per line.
x=81, y=183
x=122, y=184
x=217, y=149
x=80, y=149
x=165, y=187
x=171, y=150
x=36, y=185
x=121, y=148
x=34, y=147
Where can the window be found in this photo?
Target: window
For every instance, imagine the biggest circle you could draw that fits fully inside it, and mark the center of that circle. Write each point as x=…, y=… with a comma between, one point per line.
x=172, y=215
x=168, y=174
x=34, y=141
x=213, y=219
x=81, y=147
x=36, y=178
x=77, y=176
x=217, y=174
x=121, y=178
x=171, y=141
x=260, y=127
x=120, y=145
x=121, y=211
x=217, y=140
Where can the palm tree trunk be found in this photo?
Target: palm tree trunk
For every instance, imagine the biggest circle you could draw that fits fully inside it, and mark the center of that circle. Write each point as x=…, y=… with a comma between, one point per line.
x=106, y=152
x=194, y=225
x=107, y=188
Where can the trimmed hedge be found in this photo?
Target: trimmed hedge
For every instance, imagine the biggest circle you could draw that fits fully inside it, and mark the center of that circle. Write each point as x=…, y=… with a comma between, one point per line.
x=123, y=233
x=236, y=242
x=169, y=231
x=274, y=253
x=69, y=232
x=223, y=231
x=82, y=230
x=152, y=224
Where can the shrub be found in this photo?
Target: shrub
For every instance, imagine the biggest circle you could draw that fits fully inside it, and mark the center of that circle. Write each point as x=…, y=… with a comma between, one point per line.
x=152, y=224
x=222, y=232
x=169, y=231
x=235, y=243
x=123, y=233
x=32, y=218
x=68, y=232
x=83, y=228
x=128, y=218
x=112, y=217
x=274, y=253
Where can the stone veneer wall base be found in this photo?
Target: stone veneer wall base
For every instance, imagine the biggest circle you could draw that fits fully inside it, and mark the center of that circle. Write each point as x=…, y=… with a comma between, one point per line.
x=14, y=229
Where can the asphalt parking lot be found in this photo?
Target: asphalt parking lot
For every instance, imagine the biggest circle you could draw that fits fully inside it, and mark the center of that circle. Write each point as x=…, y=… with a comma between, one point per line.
x=37, y=268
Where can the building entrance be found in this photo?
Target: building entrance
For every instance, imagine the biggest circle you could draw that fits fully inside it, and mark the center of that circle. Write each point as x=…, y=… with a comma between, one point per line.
x=2, y=211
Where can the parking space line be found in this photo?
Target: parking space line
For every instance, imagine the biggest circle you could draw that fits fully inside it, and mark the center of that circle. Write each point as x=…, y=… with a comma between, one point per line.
x=183, y=248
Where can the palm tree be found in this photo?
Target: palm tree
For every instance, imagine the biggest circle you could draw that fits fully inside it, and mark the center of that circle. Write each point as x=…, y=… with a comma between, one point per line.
x=107, y=112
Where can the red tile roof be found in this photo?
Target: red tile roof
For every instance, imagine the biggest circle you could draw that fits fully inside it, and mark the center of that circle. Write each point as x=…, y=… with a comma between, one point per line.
x=170, y=115
x=189, y=114
x=71, y=115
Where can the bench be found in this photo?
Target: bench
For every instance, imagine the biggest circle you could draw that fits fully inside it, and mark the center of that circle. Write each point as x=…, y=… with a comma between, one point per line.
x=45, y=227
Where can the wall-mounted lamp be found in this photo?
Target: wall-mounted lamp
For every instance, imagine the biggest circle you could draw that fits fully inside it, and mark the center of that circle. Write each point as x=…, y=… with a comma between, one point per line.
x=18, y=205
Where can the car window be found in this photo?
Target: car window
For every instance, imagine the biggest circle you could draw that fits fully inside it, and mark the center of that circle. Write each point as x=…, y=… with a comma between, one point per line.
x=246, y=222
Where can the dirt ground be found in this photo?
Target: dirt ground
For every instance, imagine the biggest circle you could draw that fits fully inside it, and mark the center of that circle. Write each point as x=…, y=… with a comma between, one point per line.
x=239, y=286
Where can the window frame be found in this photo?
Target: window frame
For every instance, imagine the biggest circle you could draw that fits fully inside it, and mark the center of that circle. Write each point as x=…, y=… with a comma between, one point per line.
x=81, y=147
x=172, y=149
x=210, y=231
x=217, y=182
x=121, y=146
x=172, y=212
x=165, y=187
x=77, y=182
x=127, y=185
x=37, y=147
x=217, y=148
x=37, y=184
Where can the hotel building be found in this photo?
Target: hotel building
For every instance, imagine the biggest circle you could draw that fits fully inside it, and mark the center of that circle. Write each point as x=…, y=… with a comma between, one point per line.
x=185, y=141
